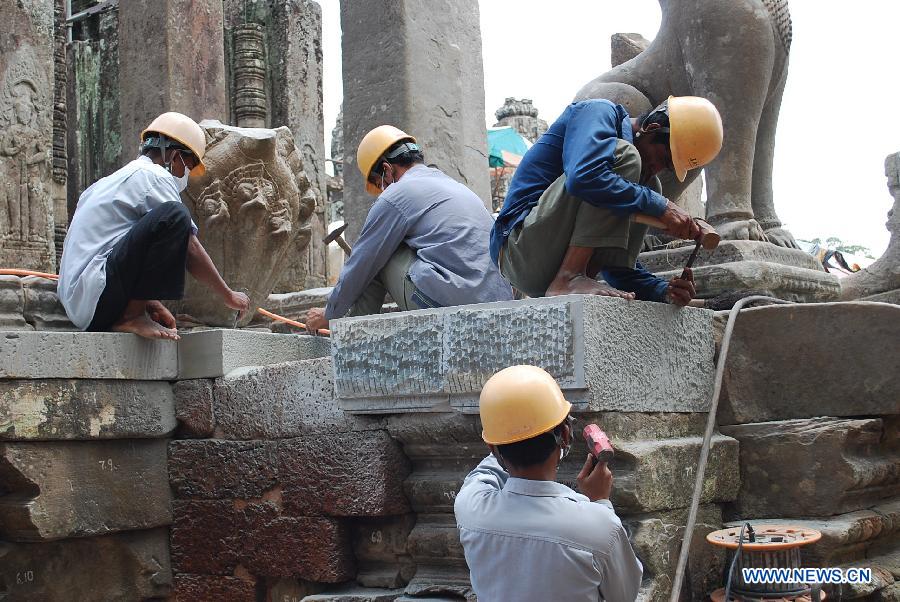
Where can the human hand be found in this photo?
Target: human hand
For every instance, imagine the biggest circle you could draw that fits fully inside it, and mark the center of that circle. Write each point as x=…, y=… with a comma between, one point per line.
x=316, y=320
x=679, y=222
x=681, y=290
x=595, y=481
x=238, y=301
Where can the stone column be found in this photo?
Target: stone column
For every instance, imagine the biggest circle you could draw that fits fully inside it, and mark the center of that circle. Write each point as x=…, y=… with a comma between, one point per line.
x=60, y=163
x=171, y=58
x=249, y=75
x=26, y=135
x=415, y=64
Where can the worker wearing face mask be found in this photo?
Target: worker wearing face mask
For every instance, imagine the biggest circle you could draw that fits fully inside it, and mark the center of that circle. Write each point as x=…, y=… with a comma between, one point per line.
x=132, y=239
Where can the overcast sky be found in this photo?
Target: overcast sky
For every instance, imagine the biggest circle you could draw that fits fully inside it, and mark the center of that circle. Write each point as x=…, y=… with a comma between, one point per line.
x=838, y=119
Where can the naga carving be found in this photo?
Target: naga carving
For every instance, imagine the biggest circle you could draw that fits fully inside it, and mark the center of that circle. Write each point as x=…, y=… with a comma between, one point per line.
x=736, y=55
x=252, y=208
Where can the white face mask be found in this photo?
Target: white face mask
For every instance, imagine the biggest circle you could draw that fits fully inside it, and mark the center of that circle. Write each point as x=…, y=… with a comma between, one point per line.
x=182, y=182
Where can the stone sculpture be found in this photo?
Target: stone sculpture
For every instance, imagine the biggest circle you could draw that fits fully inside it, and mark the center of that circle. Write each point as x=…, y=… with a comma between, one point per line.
x=252, y=208
x=735, y=54
x=881, y=280
x=522, y=116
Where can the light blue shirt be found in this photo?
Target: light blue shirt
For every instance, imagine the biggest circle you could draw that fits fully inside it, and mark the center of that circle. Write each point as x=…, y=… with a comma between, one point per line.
x=448, y=228
x=106, y=211
x=539, y=540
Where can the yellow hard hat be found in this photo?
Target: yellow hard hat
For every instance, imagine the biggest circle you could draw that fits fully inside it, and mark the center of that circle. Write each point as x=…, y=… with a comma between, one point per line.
x=695, y=133
x=184, y=130
x=518, y=403
x=373, y=146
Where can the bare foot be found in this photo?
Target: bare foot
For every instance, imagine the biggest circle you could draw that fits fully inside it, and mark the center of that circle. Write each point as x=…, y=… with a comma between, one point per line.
x=160, y=314
x=582, y=285
x=144, y=326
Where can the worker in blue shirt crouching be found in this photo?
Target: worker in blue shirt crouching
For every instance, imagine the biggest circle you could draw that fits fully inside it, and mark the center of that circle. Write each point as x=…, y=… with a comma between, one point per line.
x=567, y=216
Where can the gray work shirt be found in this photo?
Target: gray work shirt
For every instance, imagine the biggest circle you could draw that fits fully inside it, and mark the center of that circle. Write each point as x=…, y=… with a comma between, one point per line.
x=539, y=540
x=447, y=226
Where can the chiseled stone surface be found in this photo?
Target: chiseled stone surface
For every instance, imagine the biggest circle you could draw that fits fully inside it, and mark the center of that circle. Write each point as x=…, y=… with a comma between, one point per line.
x=213, y=353
x=801, y=361
x=836, y=465
x=729, y=251
x=86, y=355
x=440, y=99
x=80, y=488
x=85, y=409
x=783, y=281
x=608, y=354
x=119, y=567
x=43, y=309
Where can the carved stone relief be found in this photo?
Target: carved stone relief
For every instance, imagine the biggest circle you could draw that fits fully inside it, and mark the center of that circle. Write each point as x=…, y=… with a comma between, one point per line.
x=252, y=208
x=26, y=225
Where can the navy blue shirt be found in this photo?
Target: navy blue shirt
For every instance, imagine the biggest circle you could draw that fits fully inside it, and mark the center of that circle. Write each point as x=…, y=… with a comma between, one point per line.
x=582, y=144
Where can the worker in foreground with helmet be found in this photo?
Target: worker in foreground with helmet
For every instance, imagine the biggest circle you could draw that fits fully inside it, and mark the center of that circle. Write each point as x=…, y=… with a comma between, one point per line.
x=567, y=216
x=525, y=536
x=425, y=240
x=132, y=238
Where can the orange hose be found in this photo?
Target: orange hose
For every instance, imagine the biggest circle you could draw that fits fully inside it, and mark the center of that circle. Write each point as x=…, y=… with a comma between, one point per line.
x=294, y=323
x=16, y=272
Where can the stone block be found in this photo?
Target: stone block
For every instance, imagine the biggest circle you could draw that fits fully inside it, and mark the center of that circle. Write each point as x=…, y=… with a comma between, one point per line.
x=294, y=304
x=441, y=563
x=85, y=409
x=208, y=588
x=607, y=354
x=12, y=304
x=729, y=251
x=222, y=470
x=213, y=353
x=440, y=99
x=87, y=355
x=782, y=281
x=837, y=465
x=380, y=549
x=120, y=567
x=860, y=381
x=656, y=539
x=356, y=594
x=283, y=400
x=76, y=489
x=194, y=408
x=214, y=537
x=43, y=309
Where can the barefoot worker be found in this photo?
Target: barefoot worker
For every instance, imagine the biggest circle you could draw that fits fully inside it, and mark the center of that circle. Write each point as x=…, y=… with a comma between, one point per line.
x=566, y=217
x=132, y=238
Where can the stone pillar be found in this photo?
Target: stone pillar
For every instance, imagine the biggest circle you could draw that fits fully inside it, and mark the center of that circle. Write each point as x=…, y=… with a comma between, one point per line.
x=171, y=58
x=415, y=64
x=60, y=163
x=26, y=135
x=249, y=43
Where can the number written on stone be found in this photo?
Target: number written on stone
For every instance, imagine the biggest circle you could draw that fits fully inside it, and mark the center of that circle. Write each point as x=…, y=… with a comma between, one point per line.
x=25, y=577
x=107, y=465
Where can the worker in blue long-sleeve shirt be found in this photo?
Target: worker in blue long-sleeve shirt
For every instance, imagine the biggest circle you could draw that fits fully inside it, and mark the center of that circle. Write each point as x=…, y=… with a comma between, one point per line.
x=424, y=241
x=567, y=214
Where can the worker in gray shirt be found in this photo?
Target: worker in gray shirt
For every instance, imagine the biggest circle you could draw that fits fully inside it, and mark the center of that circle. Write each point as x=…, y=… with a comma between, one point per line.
x=425, y=240
x=525, y=536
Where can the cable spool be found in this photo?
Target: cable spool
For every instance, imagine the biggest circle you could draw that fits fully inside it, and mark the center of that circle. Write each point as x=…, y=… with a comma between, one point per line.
x=767, y=547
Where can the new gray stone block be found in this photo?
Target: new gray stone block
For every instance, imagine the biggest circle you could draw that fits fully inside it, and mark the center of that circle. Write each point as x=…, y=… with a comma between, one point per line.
x=85, y=409
x=123, y=566
x=607, y=354
x=103, y=355
x=82, y=488
x=213, y=353
x=802, y=361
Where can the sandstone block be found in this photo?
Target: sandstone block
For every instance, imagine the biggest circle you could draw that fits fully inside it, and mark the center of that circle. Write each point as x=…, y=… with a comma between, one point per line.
x=782, y=281
x=356, y=594
x=757, y=388
x=85, y=409
x=837, y=465
x=208, y=588
x=86, y=355
x=194, y=408
x=283, y=400
x=43, y=309
x=75, y=489
x=294, y=304
x=729, y=251
x=213, y=353
x=607, y=354
x=121, y=568
x=12, y=304
x=380, y=549
x=213, y=537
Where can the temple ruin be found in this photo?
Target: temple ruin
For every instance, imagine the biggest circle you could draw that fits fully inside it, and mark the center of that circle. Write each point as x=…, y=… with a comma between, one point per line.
x=246, y=464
